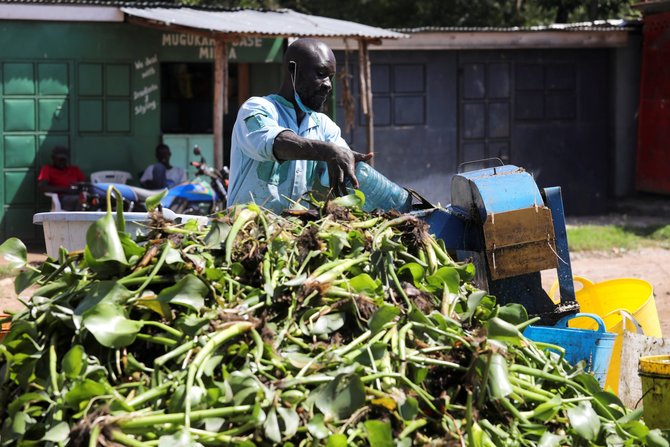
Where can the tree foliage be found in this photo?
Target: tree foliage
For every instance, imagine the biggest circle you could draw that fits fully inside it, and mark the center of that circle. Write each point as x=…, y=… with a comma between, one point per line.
x=449, y=13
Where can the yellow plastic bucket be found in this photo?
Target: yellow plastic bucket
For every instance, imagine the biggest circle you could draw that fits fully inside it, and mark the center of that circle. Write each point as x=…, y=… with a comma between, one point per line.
x=655, y=377
x=611, y=300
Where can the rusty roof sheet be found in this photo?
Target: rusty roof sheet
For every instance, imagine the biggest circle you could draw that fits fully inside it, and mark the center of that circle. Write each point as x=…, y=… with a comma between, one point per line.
x=278, y=23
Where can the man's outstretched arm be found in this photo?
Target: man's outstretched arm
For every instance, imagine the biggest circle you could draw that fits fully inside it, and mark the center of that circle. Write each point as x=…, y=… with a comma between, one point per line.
x=341, y=160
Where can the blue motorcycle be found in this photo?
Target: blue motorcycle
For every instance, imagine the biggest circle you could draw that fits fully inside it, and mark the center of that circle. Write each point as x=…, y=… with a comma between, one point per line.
x=197, y=196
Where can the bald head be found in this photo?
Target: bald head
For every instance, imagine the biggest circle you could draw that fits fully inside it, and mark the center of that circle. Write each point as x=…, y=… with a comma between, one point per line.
x=307, y=50
x=309, y=66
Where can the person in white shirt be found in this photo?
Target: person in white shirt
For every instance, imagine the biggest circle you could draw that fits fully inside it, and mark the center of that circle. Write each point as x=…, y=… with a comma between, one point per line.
x=162, y=175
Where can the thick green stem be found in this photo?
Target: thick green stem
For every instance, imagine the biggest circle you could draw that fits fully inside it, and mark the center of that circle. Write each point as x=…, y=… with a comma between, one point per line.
x=135, y=421
x=212, y=344
x=164, y=327
x=53, y=361
x=120, y=437
x=151, y=394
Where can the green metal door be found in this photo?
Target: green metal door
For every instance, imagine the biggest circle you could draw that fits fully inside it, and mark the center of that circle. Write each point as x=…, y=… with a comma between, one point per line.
x=34, y=117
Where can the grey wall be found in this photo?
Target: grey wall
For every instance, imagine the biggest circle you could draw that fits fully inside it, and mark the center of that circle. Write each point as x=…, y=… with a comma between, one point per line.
x=567, y=116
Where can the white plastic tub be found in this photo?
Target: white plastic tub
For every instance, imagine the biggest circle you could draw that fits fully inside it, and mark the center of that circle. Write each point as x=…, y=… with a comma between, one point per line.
x=68, y=228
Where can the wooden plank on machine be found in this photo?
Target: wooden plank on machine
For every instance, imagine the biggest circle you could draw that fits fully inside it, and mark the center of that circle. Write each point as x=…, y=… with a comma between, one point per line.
x=519, y=242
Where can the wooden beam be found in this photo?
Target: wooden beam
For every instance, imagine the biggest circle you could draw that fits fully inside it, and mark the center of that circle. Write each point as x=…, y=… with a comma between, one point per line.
x=497, y=40
x=365, y=81
x=243, y=83
x=220, y=97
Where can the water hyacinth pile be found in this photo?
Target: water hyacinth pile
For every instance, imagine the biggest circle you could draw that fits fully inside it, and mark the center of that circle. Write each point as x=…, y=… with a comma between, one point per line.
x=317, y=328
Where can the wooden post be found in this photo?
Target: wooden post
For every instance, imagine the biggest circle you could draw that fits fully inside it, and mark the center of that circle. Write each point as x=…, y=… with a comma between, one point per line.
x=220, y=97
x=365, y=80
x=243, y=88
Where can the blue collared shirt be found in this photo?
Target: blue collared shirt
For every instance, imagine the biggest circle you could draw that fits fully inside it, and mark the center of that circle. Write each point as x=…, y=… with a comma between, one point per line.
x=255, y=173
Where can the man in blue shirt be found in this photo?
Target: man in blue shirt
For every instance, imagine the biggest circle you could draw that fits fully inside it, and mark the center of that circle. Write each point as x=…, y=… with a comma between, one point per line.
x=281, y=143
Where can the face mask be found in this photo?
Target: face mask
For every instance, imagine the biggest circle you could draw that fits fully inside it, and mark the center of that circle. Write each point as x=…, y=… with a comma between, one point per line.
x=298, y=101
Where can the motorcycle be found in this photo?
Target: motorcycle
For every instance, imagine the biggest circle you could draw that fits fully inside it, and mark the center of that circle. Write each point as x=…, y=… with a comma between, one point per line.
x=194, y=197
x=198, y=197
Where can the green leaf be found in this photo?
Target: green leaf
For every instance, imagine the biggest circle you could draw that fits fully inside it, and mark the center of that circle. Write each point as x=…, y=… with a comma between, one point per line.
x=355, y=200
x=130, y=247
x=173, y=256
x=82, y=392
x=413, y=271
x=337, y=241
x=73, y=362
x=24, y=280
x=328, y=323
x=153, y=201
x=337, y=440
x=547, y=410
x=655, y=438
x=467, y=272
x=364, y=283
x=244, y=387
x=290, y=420
x=19, y=422
x=109, y=325
x=218, y=232
x=503, y=331
x=584, y=421
x=379, y=433
x=103, y=291
x=385, y=314
x=409, y=408
x=445, y=275
x=188, y=291
x=103, y=243
x=610, y=400
x=317, y=427
x=271, y=426
x=14, y=252
x=28, y=398
x=513, y=313
x=549, y=439
x=58, y=433
x=473, y=302
x=499, y=377
x=339, y=398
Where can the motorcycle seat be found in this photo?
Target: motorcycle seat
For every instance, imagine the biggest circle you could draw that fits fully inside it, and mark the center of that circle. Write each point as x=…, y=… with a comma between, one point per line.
x=143, y=194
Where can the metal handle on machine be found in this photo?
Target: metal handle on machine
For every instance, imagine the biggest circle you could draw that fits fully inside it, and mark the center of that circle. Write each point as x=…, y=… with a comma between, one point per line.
x=479, y=161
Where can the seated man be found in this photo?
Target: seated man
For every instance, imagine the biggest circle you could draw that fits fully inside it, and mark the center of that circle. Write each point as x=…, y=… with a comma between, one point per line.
x=61, y=177
x=162, y=175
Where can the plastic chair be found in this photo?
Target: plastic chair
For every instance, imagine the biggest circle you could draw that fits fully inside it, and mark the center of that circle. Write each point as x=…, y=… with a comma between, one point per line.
x=55, y=201
x=110, y=176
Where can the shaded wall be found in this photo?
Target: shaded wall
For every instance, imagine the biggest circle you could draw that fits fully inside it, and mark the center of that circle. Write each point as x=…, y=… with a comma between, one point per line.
x=548, y=111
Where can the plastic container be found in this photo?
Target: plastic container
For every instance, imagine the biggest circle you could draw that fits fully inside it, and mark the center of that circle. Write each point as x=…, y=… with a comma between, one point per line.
x=68, y=228
x=380, y=192
x=592, y=346
x=654, y=373
x=612, y=300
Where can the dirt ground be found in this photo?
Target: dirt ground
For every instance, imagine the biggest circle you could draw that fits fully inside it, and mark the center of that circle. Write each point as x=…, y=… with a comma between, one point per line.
x=649, y=264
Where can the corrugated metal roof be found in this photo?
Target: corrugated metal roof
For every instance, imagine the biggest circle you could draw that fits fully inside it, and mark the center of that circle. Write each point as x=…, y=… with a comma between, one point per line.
x=279, y=23
x=596, y=26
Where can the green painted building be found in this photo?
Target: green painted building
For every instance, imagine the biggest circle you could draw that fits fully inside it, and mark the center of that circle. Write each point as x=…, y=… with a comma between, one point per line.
x=110, y=91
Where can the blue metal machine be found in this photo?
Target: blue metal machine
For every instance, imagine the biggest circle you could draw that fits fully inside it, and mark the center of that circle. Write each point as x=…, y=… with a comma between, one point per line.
x=500, y=220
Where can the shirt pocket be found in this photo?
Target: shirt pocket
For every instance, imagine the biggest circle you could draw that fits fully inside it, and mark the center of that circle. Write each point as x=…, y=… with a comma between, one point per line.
x=273, y=173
